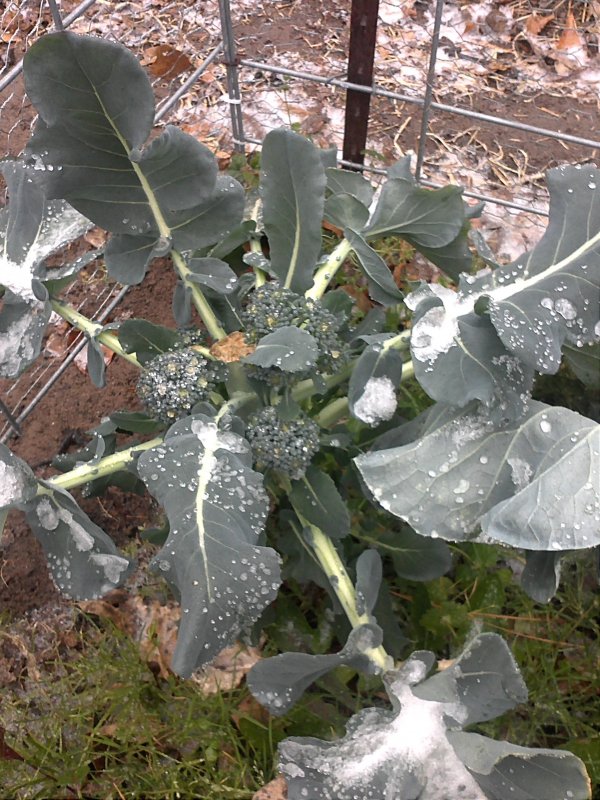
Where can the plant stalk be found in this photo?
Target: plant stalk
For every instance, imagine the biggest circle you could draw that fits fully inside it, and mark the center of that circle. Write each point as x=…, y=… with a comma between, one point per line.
x=202, y=306
x=325, y=274
x=332, y=413
x=94, y=330
x=305, y=389
x=105, y=466
x=341, y=584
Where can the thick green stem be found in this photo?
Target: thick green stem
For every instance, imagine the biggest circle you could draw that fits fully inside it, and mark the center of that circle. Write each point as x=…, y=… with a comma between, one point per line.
x=325, y=274
x=106, y=466
x=92, y=329
x=399, y=342
x=341, y=584
x=408, y=370
x=306, y=388
x=332, y=413
x=202, y=306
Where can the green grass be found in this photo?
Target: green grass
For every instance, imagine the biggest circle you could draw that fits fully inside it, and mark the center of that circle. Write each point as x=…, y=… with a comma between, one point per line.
x=96, y=722
x=102, y=725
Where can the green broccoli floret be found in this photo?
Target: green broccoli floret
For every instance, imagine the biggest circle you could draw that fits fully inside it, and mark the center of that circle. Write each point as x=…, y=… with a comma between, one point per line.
x=272, y=306
x=173, y=382
x=187, y=337
x=285, y=445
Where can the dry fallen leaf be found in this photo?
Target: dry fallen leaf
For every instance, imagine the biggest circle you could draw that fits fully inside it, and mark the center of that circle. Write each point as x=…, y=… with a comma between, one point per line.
x=96, y=237
x=571, y=49
x=227, y=670
x=6, y=751
x=157, y=633
x=249, y=708
x=164, y=61
x=275, y=790
x=535, y=24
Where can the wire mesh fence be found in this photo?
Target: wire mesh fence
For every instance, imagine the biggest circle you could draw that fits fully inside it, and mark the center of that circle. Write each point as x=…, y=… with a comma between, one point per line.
x=487, y=94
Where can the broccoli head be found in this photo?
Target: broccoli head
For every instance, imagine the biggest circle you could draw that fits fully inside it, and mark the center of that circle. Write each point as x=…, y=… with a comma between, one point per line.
x=285, y=445
x=272, y=306
x=173, y=382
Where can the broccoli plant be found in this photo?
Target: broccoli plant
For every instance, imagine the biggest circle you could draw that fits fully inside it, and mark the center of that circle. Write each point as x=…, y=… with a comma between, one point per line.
x=273, y=406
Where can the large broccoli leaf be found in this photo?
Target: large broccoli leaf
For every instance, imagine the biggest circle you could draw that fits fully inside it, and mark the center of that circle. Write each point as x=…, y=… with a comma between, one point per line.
x=293, y=193
x=96, y=112
x=485, y=340
x=531, y=484
x=216, y=507
x=417, y=750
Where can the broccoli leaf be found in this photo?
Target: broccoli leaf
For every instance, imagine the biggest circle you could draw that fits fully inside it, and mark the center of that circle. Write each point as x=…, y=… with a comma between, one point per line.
x=541, y=575
x=381, y=284
x=416, y=558
x=532, y=484
x=317, y=500
x=288, y=348
x=279, y=682
x=348, y=182
x=96, y=112
x=417, y=750
x=146, y=339
x=485, y=340
x=293, y=192
x=424, y=217
x=31, y=229
x=216, y=507
x=83, y=560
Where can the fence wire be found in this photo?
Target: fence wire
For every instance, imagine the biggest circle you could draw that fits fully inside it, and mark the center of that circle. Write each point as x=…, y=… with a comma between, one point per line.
x=511, y=88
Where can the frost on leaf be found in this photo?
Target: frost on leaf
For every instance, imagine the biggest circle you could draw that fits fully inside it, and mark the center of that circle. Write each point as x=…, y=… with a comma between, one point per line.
x=83, y=560
x=216, y=506
x=485, y=340
x=458, y=355
x=409, y=751
x=374, y=380
x=377, y=402
x=17, y=482
x=31, y=229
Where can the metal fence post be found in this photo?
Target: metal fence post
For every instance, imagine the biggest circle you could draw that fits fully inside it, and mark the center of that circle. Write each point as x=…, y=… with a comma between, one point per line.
x=233, y=86
x=430, y=80
x=363, y=34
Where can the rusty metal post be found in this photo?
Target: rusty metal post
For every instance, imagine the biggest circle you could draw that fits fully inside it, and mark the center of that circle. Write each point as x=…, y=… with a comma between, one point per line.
x=361, y=56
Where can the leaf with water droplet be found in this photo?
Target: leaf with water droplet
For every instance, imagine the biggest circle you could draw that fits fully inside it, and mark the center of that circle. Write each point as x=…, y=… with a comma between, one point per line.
x=527, y=484
x=216, y=507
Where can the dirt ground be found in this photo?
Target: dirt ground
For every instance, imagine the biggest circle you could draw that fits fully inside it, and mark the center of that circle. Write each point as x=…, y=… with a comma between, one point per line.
x=73, y=405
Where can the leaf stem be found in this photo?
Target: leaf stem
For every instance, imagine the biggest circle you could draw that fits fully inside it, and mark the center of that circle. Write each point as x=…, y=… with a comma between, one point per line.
x=202, y=306
x=208, y=316
x=305, y=389
x=327, y=271
x=94, y=330
x=105, y=466
x=332, y=413
x=334, y=568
